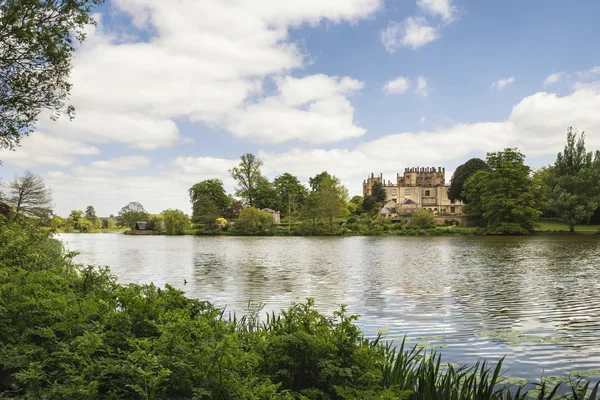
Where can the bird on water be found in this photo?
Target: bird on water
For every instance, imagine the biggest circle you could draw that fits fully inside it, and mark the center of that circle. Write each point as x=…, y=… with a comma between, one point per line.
x=185, y=282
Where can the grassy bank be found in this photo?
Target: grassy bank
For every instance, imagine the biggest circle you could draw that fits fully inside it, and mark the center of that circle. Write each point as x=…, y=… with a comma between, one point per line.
x=72, y=332
x=555, y=226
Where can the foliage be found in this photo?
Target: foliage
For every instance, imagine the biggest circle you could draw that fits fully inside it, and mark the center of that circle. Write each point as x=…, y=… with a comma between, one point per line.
x=462, y=174
x=358, y=200
x=422, y=218
x=90, y=212
x=176, y=222
x=502, y=197
x=574, y=188
x=132, y=213
x=205, y=213
x=36, y=46
x=326, y=201
x=370, y=203
x=247, y=175
x=378, y=192
x=221, y=223
x=290, y=193
x=109, y=223
x=202, y=194
x=72, y=332
x=252, y=221
x=265, y=195
x=155, y=222
x=27, y=195
x=84, y=225
x=234, y=210
x=540, y=181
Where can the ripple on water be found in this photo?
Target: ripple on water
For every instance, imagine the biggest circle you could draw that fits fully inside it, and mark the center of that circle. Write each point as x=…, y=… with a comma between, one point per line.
x=535, y=300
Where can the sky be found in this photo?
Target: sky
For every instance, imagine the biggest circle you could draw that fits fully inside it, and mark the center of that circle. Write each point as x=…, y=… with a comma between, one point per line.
x=169, y=93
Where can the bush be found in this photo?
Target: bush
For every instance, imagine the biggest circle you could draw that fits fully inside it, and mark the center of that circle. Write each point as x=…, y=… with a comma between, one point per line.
x=422, y=219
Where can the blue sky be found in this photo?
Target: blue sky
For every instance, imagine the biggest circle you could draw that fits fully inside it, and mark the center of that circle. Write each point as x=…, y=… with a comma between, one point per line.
x=168, y=94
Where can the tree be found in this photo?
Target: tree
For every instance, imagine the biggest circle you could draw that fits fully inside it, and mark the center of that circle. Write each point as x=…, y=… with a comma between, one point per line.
x=176, y=222
x=90, y=212
x=358, y=200
x=209, y=189
x=369, y=203
x=422, y=218
x=290, y=192
x=327, y=199
x=74, y=217
x=378, y=193
x=315, y=182
x=574, y=182
x=502, y=197
x=234, y=210
x=132, y=213
x=205, y=212
x=460, y=176
x=36, y=46
x=27, y=195
x=540, y=181
x=84, y=225
x=265, y=194
x=253, y=221
x=247, y=175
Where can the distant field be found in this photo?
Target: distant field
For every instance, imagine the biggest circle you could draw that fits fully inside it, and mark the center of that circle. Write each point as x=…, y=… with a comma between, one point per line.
x=557, y=226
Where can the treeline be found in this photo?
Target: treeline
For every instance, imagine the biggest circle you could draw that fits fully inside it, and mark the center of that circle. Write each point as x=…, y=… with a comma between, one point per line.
x=507, y=197
x=73, y=332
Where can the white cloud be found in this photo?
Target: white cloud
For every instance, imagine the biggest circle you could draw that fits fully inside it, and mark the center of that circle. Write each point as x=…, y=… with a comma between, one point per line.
x=536, y=125
x=502, y=83
x=553, y=78
x=126, y=163
x=413, y=32
x=206, y=61
x=42, y=149
x=313, y=109
x=423, y=120
x=422, y=87
x=397, y=86
x=441, y=8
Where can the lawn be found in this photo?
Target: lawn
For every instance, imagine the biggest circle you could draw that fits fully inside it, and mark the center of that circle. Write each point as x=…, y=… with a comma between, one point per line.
x=551, y=225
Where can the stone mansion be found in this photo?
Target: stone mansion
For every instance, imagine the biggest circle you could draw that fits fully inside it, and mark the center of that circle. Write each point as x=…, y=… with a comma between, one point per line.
x=418, y=187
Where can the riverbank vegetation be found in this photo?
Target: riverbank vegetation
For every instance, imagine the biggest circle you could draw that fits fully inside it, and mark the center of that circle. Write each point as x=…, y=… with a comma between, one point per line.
x=73, y=332
x=502, y=195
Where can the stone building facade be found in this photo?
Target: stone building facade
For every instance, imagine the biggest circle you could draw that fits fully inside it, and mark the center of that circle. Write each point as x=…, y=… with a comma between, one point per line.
x=416, y=188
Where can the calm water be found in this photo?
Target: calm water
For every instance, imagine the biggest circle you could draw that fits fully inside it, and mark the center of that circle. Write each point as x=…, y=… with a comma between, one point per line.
x=535, y=300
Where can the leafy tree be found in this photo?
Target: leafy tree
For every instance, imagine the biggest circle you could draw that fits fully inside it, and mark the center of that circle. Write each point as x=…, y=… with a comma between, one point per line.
x=248, y=176
x=540, y=181
x=132, y=213
x=73, y=219
x=502, y=197
x=290, y=192
x=358, y=200
x=90, y=212
x=574, y=182
x=209, y=189
x=36, y=46
x=27, y=195
x=369, y=203
x=234, y=210
x=265, y=194
x=109, y=223
x=205, y=212
x=352, y=207
x=96, y=222
x=327, y=200
x=422, y=218
x=462, y=174
x=253, y=221
x=176, y=222
x=155, y=222
x=378, y=193
x=84, y=225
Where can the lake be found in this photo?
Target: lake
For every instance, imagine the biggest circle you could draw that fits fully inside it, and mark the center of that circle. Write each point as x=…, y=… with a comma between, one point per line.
x=535, y=300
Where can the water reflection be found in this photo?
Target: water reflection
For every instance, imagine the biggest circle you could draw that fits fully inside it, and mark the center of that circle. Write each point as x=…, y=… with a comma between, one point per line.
x=535, y=300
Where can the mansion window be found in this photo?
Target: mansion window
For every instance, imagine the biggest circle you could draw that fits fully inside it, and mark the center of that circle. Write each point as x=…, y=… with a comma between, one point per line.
x=394, y=192
x=427, y=193
x=406, y=191
x=452, y=209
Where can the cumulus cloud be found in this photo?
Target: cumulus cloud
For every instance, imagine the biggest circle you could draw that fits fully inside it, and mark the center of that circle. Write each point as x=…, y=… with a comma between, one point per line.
x=441, y=8
x=553, y=78
x=396, y=86
x=502, y=83
x=413, y=32
x=206, y=61
x=42, y=149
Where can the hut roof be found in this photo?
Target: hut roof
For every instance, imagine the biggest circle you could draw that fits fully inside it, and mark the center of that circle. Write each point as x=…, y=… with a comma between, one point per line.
x=408, y=201
x=141, y=226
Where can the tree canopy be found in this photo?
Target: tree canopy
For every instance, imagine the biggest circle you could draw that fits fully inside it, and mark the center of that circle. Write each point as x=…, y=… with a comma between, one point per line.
x=36, y=48
x=29, y=196
x=248, y=176
x=209, y=197
x=378, y=193
x=290, y=193
x=176, y=222
x=462, y=174
x=502, y=196
x=574, y=182
x=132, y=213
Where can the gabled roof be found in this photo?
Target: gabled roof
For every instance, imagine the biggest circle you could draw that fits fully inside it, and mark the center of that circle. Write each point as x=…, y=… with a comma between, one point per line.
x=269, y=210
x=140, y=226
x=408, y=201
